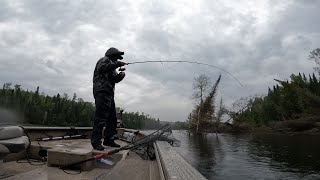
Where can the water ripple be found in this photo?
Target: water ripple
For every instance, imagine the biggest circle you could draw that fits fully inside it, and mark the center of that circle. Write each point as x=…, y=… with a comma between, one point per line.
x=252, y=157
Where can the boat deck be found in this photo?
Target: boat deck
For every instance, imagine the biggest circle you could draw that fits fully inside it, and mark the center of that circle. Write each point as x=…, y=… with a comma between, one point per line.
x=124, y=165
x=127, y=164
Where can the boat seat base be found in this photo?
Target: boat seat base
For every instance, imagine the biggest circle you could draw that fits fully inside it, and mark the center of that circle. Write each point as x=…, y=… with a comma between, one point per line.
x=12, y=140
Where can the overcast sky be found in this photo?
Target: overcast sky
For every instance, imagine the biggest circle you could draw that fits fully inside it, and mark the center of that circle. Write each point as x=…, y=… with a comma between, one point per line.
x=56, y=44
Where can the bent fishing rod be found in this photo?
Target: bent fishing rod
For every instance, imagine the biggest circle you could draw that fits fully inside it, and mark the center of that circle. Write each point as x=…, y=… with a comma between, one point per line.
x=190, y=62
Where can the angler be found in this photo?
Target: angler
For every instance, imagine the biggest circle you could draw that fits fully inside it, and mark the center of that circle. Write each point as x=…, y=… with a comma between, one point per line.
x=104, y=78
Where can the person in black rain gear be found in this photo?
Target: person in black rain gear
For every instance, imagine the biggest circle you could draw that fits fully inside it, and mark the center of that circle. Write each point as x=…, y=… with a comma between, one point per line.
x=104, y=79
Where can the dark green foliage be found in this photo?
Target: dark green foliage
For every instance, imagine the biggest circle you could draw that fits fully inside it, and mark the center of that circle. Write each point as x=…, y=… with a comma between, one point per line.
x=40, y=109
x=140, y=121
x=288, y=100
x=207, y=109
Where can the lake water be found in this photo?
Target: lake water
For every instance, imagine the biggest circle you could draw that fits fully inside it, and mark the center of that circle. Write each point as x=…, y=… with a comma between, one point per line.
x=242, y=157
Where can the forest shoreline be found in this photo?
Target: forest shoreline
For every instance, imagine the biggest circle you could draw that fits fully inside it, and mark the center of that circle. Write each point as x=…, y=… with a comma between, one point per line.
x=308, y=126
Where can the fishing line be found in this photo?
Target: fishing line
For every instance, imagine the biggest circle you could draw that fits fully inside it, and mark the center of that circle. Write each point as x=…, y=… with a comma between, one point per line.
x=191, y=62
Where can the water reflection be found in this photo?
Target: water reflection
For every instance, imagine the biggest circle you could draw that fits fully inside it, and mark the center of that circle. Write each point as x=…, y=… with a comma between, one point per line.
x=205, y=158
x=252, y=157
x=203, y=152
x=291, y=153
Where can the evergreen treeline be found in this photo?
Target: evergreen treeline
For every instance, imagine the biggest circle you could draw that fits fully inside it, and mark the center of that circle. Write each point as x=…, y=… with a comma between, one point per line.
x=297, y=98
x=41, y=109
x=140, y=121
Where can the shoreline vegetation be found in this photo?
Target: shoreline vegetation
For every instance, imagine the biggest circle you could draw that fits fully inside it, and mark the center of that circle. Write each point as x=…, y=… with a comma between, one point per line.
x=19, y=106
x=309, y=125
x=290, y=106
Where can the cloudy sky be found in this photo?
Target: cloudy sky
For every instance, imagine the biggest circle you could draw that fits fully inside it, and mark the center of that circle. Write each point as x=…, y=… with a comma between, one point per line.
x=55, y=45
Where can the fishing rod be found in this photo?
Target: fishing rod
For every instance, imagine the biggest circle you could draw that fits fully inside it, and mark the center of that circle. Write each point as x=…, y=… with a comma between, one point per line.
x=190, y=62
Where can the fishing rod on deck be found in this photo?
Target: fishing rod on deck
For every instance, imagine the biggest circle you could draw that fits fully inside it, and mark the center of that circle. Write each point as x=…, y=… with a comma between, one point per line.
x=190, y=62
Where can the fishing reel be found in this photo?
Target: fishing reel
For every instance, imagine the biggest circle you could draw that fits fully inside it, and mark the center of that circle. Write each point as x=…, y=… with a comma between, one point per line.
x=122, y=69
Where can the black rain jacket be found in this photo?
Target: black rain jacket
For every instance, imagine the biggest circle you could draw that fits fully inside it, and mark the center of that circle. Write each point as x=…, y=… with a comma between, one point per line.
x=105, y=76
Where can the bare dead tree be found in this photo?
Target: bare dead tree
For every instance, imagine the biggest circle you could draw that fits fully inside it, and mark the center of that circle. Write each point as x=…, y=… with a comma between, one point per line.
x=315, y=56
x=200, y=86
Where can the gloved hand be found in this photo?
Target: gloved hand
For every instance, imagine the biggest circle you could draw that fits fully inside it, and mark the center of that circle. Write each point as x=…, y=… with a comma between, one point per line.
x=122, y=69
x=122, y=74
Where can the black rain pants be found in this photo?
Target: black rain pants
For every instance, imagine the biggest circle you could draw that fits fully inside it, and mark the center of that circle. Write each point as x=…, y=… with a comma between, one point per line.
x=105, y=116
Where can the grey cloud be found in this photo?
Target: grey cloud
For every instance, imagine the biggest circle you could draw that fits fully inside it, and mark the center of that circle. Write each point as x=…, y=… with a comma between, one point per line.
x=55, y=44
x=50, y=64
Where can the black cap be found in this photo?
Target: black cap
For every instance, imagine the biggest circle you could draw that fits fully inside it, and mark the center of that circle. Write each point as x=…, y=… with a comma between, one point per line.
x=113, y=51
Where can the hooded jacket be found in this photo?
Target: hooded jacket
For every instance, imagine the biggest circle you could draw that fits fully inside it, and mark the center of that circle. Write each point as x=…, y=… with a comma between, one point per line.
x=105, y=76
